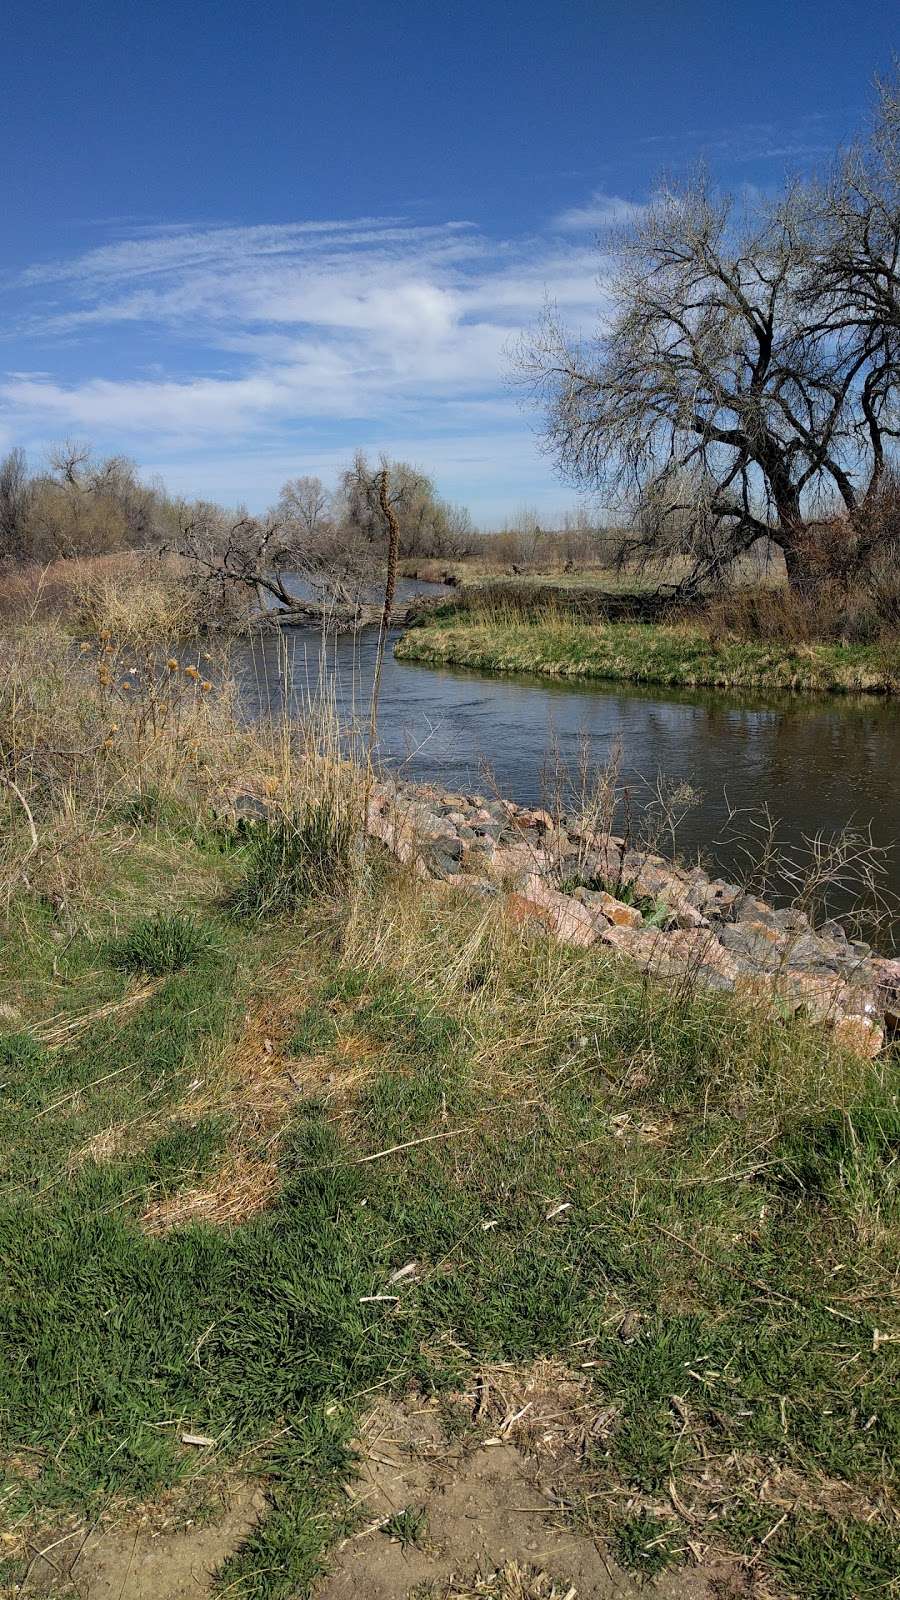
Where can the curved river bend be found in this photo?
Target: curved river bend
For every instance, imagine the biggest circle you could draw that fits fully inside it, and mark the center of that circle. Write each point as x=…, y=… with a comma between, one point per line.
x=820, y=765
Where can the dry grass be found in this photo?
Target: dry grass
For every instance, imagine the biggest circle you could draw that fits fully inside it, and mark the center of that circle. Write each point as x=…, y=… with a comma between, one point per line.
x=128, y=726
x=546, y=1409
x=855, y=613
x=60, y=1033
x=135, y=600
x=256, y=1084
x=509, y=1582
x=242, y=1187
x=101, y=590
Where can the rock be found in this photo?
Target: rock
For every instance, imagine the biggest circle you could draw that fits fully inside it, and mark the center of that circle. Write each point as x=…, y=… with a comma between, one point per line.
x=245, y=806
x=393, y=834
x=808, y=953
x=749, y=908
x=519, y=908
x=515, y=861
x=714, y=933
x=756, y=946
x=827, y=997
x=659, y=881
x=458, y=818
x=539, y=820
x=443, y=854
x=565, y=916
x=615, y=911
x=486, y=830
x=484, y=887
x=886, y=973
x=714, y=896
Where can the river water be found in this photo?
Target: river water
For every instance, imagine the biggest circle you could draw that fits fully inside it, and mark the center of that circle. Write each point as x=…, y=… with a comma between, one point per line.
x=820, y=765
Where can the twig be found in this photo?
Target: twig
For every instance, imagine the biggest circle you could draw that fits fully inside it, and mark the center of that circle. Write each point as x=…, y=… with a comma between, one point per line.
x=410, y=1144
x=25, y=807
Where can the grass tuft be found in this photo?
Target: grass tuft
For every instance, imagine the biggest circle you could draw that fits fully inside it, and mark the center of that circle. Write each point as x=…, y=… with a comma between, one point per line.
x=646, y=1544
x=162, y=943
x=292, y=858
x=407, y=1526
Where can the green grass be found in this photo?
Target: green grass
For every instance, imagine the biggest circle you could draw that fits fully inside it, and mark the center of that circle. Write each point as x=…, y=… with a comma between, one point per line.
x=408, y=1526
x=161, y=943
x=291, y=858
x=649, y=653
x=733, y=1184
x=646, y=1544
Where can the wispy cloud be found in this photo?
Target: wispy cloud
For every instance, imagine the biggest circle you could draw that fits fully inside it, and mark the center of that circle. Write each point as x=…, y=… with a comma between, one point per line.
x=801, y=143
x=600, y=211
x=264, y=343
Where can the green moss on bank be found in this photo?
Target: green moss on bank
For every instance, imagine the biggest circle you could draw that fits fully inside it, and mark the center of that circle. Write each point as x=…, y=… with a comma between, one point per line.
x=673, y=656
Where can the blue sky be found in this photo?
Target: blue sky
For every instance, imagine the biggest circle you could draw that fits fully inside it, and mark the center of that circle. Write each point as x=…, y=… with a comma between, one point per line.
x=240, y=241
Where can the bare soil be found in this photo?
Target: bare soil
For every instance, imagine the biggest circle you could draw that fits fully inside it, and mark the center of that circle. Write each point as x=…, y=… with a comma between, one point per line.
x=485, y=1508
x=148, y=1560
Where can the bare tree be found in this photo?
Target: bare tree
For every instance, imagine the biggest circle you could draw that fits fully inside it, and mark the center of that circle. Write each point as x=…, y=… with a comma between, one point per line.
x=16, y=495
x=306, y=502
x=738, y=387
x=428, y=526
x=260, y=557
x=387, y=506
x=856, y=267
x=68, y=460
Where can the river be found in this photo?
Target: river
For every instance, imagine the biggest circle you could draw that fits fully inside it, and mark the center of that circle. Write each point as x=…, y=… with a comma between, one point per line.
x=820, y=765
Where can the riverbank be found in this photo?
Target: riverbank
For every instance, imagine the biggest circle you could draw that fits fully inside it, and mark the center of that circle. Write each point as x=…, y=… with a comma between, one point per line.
x=576, y=879
x=317, y=1157
x=672, y=655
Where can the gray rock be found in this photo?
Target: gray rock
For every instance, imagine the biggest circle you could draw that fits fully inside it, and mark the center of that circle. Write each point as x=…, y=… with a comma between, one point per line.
x=443, y=854
x=714, y=897
x=487, y=830
x=760, y=954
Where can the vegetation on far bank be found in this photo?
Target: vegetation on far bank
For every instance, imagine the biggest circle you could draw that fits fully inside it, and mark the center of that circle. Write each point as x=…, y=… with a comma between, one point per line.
x=284, y=1128
x=674, y=654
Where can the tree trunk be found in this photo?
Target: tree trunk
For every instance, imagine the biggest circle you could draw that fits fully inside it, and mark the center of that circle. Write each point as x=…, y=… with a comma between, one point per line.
x=797, y=546
x=802, y=575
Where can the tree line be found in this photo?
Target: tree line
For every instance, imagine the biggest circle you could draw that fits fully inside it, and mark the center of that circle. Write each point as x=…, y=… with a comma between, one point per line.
x=79, y=504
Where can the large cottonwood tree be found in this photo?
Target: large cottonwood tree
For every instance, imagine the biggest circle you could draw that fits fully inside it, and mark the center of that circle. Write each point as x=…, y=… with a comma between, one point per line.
x=745, y=383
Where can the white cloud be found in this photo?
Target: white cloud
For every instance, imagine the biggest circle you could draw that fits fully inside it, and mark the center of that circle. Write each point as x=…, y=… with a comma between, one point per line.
x=600, y=211
x=238, y=345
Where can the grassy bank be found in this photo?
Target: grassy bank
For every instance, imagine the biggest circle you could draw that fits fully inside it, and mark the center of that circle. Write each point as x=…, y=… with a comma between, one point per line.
x=284, y=1128
x=671, y=655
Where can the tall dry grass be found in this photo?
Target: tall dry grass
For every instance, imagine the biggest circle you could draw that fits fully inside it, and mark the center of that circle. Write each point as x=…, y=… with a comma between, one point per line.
x=129, y=723
x=116, y=591
x=859, y=612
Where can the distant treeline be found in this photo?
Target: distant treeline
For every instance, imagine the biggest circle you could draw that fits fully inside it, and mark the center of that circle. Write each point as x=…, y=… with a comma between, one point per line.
x=78, y=504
